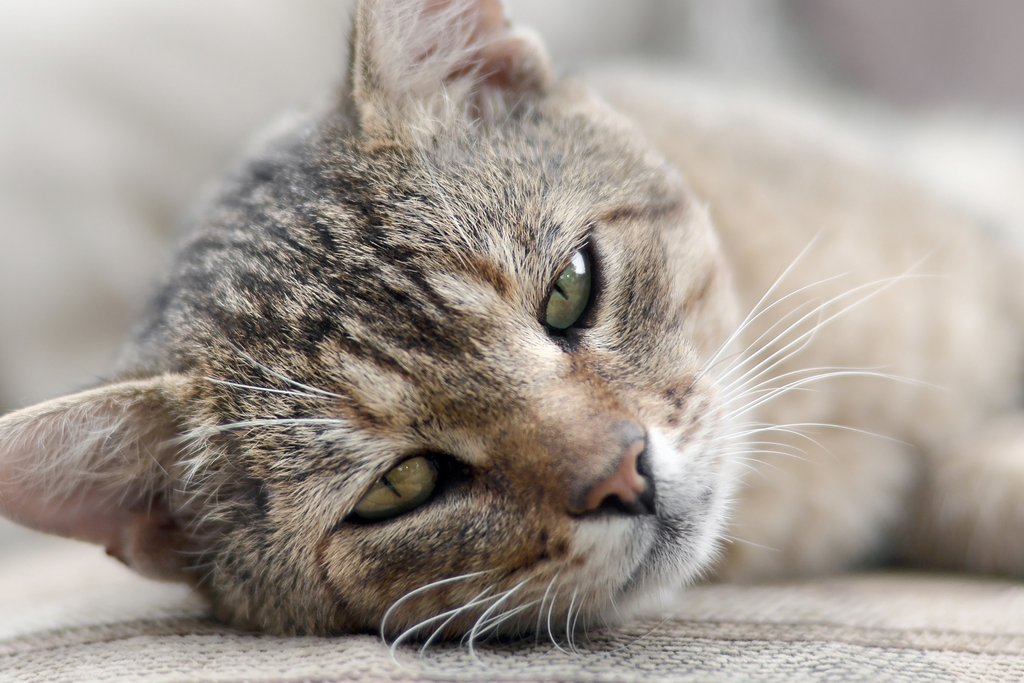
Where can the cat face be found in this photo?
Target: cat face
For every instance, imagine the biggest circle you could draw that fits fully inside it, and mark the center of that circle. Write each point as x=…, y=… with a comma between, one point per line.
x=435, y=361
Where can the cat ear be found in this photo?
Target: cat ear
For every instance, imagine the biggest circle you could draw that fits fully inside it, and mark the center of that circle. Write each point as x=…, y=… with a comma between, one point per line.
x=440, y=57
x=92, y=466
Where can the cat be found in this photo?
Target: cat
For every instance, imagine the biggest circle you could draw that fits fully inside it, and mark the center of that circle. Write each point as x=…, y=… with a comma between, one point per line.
x=462, y=353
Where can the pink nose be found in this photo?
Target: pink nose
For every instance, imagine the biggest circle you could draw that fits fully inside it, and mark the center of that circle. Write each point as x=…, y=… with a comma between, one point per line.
x=625, y=483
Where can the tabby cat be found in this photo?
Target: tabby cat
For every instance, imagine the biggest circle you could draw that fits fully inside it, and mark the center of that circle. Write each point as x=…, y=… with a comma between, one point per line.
x=460, y=353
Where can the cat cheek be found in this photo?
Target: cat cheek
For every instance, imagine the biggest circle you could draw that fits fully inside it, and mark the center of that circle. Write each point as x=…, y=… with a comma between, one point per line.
x=447, y=557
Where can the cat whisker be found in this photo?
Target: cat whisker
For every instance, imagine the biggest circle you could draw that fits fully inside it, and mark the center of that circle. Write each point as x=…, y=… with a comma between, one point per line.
x=769, y=448
x=747, y=457
x=745, y=452
x=728, y=538
x=751, y=318
x=754, y=380
x=828, y=425
x=753, y=394
x=544, y=597
x=284, y=378
x=575, y=621
x=449, y=616
x=787, y=388
x=268, y=390
x=640, y=638
x=792, y=429
x=245, y=424
x=568, y=622
x=746, y=445
x=743, y=455
x=740, y=481
x=477, y=629
x=770, y=384
x=742, y=356
x=788, y=453
x=551, y=630
x=752, y=315
x=738, y=359
x=802, y=340
x=794, y=347
x=788, y=352
x=420, y=591
x=494, y=623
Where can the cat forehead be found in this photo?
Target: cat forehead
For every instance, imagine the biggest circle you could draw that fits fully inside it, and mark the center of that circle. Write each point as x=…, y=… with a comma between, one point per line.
x=526, y=193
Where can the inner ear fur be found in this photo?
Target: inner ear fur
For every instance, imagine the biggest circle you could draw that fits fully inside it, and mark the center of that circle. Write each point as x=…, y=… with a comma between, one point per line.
x=415, y=62
x=94, y=466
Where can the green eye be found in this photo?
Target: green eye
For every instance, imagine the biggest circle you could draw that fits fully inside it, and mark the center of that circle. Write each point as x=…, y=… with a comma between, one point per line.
x=400, y=490
x=569, y=297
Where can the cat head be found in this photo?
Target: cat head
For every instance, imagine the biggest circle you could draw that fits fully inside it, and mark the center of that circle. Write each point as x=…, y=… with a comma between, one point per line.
x=438, y=357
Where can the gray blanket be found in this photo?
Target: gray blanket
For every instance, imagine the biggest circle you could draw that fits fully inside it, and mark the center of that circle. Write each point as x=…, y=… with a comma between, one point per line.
x=69, y=613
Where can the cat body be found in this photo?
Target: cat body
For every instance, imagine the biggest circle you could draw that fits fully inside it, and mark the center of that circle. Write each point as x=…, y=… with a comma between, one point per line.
x=460, y=352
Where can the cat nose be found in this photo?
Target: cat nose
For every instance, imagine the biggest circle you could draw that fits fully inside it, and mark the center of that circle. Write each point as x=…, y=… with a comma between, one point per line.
x=628, y=489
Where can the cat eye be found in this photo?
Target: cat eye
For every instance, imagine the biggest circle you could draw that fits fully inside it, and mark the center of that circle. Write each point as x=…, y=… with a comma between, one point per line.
x=569, y=297
x=400, y=490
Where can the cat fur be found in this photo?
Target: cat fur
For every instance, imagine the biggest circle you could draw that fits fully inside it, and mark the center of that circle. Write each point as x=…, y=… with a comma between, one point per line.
x=368, y=286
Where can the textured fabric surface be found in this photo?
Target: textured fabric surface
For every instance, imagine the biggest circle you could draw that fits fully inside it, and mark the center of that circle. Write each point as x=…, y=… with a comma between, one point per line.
x=68, y=613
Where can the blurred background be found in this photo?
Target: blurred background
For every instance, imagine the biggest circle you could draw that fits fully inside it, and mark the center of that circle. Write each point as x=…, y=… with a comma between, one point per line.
x=116, y=115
